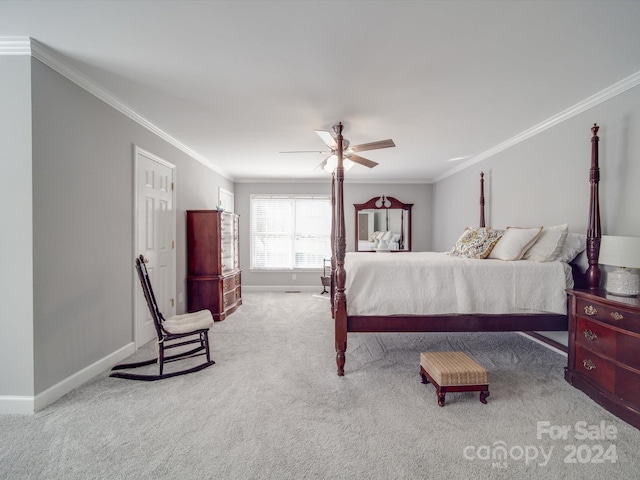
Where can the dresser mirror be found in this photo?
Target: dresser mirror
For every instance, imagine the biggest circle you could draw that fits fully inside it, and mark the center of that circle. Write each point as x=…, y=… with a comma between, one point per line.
x=383, y=224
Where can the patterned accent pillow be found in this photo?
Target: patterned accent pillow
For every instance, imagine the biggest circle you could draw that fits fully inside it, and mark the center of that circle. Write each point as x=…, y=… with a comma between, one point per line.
x=476, y=242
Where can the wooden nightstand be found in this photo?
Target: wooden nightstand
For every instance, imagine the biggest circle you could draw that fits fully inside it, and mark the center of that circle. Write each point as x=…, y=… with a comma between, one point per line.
x=604, y=351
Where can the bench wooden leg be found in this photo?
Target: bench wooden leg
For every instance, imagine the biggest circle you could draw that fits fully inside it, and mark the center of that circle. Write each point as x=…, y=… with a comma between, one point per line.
x=483, y=395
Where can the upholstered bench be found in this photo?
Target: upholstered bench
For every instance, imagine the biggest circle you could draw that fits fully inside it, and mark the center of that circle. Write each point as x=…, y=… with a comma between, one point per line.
x=454, y=372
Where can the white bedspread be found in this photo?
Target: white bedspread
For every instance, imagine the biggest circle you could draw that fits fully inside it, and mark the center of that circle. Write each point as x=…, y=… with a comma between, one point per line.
x=436, y=283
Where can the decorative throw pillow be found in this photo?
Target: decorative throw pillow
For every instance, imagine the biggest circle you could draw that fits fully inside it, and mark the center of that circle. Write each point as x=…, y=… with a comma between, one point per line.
x=514, y=243
x=476, y=242
x=549, y=244
x=574, y=244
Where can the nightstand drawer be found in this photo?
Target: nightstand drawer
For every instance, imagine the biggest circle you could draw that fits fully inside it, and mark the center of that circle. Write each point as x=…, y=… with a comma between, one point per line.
x=596, y=368
x=627, y=382
x=596, y=337
x=628, y=352
x=620, y=317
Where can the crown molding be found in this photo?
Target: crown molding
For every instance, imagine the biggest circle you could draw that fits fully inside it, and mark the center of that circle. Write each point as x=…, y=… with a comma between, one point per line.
x=616, y=89
x=389, y=181
x=30, y=46
x=15, y=46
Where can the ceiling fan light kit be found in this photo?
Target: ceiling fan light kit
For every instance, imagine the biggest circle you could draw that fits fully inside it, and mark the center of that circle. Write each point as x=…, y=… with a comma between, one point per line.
x=331, y=163
x=349, y=157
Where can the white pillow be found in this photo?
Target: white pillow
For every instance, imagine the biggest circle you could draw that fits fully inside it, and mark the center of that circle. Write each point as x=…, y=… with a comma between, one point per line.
x=514, y=243
x=574, y=244
x=548, y=246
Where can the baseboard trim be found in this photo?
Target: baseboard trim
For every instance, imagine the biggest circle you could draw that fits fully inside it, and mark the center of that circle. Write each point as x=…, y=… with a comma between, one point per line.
x=281, y=288
x=26, y=405
x=546, y=342
x=16, y=405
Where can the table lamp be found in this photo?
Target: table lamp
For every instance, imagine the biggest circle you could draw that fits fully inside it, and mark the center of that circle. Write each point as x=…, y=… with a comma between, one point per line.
x=623, y=253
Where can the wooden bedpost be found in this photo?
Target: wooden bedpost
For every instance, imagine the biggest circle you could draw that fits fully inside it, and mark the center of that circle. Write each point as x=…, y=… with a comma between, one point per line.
x=593, y=230
x=482, y=222
x=332, y=288
x=340, y=300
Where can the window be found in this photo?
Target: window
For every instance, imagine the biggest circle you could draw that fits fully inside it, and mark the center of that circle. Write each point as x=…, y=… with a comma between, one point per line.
x=290, y=231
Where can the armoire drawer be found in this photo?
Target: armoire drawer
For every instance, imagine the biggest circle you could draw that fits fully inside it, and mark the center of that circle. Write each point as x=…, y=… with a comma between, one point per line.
x=230, y=283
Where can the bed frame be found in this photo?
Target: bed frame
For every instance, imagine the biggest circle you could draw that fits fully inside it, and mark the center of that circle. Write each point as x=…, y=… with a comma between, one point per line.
x=450, y=322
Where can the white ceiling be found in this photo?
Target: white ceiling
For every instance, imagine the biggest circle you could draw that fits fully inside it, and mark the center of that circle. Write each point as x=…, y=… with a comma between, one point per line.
x=237, y=82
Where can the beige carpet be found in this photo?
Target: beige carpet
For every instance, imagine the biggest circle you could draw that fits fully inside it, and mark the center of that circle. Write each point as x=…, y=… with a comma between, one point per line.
x=273, y=408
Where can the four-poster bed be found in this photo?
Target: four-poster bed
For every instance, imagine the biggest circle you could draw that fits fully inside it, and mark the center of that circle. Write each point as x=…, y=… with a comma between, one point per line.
x=452, y=320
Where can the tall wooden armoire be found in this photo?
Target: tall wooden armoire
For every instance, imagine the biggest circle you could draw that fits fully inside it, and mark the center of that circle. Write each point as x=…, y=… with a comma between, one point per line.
x=213, y=265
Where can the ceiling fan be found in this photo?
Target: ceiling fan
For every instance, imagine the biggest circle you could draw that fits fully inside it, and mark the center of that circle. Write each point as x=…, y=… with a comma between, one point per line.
x=348, y=151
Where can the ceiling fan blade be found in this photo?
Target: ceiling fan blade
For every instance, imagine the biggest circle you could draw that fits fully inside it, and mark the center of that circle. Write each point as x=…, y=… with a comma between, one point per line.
x=322, y=164
x=372, y=146
x=327, y=138
x=361, y=160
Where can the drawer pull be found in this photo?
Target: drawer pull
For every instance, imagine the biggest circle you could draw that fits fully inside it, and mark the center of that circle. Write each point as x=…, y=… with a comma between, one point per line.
x=590, y=310
x=588, y=364
x=617, y=316
x=589, y=335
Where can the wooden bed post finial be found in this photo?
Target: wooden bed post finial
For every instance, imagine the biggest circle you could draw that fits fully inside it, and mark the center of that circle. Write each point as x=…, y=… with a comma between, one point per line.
x=593, y=229
x=482, y=221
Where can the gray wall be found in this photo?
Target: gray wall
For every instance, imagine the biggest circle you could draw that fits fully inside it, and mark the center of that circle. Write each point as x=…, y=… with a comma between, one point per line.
x=16, y=244
x=545, y=179
x=418, y=194
x=83, y=219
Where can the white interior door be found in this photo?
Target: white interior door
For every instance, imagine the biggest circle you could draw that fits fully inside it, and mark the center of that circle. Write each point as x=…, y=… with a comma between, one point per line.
x=155, y=239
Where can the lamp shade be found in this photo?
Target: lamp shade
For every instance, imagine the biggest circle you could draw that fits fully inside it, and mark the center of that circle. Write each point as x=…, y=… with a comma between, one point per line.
x=624, y=253
x=620, y=251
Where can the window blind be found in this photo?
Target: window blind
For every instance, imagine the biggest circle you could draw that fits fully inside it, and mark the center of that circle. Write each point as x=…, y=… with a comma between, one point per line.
x=290, y=231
